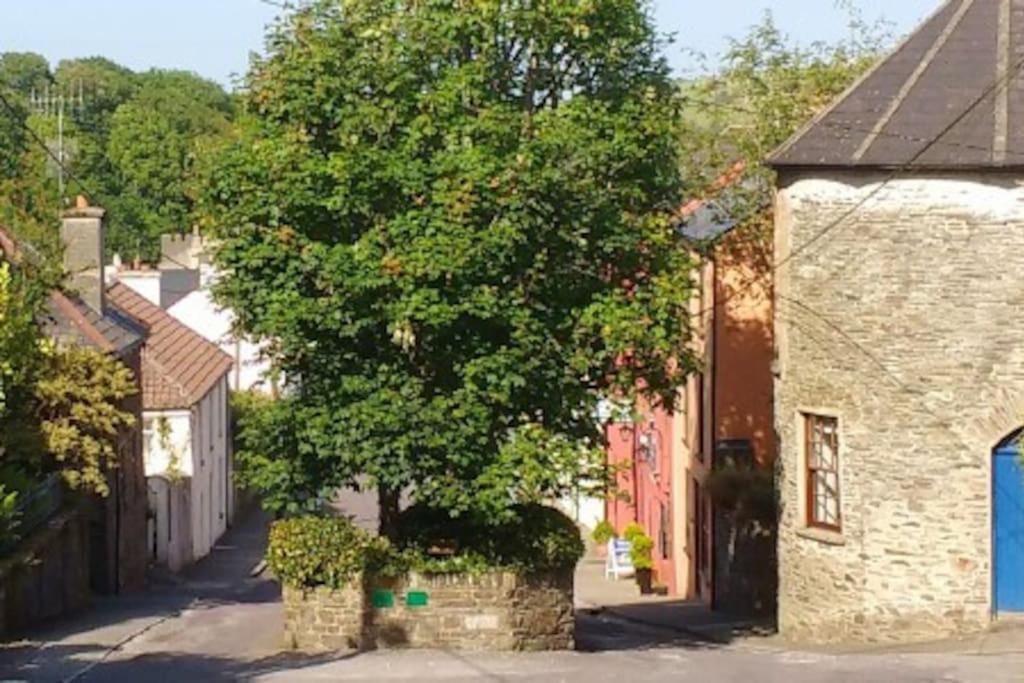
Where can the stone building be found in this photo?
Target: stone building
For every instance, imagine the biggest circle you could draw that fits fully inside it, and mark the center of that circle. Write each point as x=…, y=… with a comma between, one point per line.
x=80, y=313
x=900, y=364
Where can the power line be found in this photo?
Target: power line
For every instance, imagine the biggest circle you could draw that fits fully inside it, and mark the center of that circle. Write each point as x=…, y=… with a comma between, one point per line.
x=13, y=111
x=860, y=203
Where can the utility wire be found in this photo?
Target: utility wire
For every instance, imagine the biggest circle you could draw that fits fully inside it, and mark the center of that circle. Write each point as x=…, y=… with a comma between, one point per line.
x=13, y=111
x=874, y=192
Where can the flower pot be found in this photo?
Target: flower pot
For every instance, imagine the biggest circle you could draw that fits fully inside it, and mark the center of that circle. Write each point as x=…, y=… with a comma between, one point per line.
x=645, y=579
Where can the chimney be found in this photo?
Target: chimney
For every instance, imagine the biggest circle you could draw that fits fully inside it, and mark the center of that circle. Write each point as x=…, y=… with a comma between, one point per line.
x=82, y=234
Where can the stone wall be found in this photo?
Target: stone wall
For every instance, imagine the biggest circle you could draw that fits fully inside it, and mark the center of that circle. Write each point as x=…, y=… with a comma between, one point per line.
x=47, y=576
x=499, y=611
x=903, y=320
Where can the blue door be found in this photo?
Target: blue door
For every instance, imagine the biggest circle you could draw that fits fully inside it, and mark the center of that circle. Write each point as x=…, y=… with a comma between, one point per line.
x=1008, y=520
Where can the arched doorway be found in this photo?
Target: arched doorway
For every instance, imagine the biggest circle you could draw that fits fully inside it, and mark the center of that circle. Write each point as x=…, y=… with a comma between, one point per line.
x=1008, y=526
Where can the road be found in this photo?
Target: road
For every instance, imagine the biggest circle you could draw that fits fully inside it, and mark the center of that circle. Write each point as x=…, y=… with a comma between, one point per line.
x=220, y=622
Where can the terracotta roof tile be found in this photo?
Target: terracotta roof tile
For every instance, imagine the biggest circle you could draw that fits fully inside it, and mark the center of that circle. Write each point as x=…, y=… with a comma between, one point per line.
x=178, y=366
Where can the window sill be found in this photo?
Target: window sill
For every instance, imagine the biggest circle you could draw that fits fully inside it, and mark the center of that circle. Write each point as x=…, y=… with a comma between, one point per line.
x=822, y=536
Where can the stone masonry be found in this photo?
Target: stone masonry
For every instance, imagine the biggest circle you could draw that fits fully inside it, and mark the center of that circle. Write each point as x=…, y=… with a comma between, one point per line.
x=904, y=321
x=498, y=611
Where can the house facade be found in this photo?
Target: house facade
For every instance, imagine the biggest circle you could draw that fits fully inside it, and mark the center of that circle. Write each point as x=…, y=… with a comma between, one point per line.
x=899, y=387
x=182, y=285
x=186, y=430
x=663, y=458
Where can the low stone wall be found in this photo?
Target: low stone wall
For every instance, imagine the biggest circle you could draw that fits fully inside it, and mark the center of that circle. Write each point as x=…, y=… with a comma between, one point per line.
x=499, y=611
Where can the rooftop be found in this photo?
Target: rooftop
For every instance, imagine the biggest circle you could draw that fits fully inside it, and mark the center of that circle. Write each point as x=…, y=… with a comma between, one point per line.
x=949, y=97
x=179, y=366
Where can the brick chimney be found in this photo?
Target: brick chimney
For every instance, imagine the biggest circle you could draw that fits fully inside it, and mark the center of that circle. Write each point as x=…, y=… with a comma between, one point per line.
x=82, y=234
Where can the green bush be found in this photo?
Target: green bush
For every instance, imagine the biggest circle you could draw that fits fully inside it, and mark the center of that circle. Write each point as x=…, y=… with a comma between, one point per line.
x=641, y=551
x=603, y=532
x=632, y=531
x=305, y=552
x=536, y=539
x=322, y=551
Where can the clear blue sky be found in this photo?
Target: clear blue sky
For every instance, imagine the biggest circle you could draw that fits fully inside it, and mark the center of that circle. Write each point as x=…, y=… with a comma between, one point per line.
x=214, y=37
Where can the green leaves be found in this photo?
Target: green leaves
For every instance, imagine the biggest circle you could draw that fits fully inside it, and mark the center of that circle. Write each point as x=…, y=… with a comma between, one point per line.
x=80, y=397
x=431, y=215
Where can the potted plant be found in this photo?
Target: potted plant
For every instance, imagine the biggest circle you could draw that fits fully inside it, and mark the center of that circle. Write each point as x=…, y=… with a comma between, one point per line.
x=603, y=532
x=641, y=551
x=633, y=530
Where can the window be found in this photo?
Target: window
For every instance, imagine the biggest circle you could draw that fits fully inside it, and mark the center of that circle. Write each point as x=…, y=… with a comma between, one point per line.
x=821, y=451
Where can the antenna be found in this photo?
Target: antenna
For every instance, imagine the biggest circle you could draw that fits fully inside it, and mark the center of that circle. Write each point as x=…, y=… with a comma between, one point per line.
x=54, y=104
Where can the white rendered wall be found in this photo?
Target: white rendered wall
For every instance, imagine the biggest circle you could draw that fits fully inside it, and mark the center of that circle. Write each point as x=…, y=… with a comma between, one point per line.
x=146, y=283
x=201, y=314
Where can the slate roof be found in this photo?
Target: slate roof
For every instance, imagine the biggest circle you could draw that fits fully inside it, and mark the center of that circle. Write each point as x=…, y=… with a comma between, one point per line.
x=178, y=365
x=949, y=97
x=70, y=318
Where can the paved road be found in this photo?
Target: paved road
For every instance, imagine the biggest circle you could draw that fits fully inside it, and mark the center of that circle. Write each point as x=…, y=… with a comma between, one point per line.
x=221, y=623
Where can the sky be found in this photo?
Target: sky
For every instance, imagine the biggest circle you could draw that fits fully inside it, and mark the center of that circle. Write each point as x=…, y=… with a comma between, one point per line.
x=214, y=37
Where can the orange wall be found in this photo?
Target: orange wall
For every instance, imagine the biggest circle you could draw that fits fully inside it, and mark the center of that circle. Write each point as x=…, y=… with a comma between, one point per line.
x=743, y=345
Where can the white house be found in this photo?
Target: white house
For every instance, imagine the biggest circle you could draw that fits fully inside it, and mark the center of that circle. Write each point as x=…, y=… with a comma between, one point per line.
x=186, y=433
x=181, y=285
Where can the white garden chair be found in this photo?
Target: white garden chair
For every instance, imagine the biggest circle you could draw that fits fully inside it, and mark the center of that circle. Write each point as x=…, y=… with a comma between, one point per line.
x=619, y=564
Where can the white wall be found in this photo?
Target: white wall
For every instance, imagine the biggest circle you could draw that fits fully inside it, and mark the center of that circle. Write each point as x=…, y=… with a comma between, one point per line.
x=192, y=447
x=201, y=314
x=211, y=469
x=144, y=282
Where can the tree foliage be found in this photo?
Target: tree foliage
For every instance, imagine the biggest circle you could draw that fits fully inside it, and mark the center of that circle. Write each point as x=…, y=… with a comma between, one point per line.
x=154, y=140
x=449, y=220
x=765, y=89
x=132, y=142
x=80, y=402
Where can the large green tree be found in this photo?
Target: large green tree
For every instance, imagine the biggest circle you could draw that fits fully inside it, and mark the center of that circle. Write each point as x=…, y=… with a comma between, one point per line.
x=449, y=221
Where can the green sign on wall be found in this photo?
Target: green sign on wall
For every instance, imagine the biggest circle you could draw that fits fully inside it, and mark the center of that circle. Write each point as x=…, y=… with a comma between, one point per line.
x=416, y=599
x=381, y=598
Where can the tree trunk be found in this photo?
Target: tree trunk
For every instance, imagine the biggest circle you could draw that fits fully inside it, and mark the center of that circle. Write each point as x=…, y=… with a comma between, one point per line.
x=388, y=508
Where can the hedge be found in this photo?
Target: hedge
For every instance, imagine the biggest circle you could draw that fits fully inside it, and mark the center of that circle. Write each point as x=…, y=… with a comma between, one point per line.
x=311, y=551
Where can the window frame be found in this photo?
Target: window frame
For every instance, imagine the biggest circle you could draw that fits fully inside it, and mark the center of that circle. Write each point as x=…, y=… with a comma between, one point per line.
x=812, y=471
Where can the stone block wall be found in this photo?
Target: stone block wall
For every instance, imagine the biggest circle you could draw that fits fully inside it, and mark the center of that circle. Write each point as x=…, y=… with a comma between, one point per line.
x=47, y=576
x=903, y=317
x=498, y=611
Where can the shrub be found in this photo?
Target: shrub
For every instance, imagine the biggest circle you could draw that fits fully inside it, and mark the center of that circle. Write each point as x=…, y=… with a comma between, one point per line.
x=536, y=538
x=632, y=531
x=746, y=492
x=603, y=532
x=641, y=551
x=322, y=551
x=305, y=552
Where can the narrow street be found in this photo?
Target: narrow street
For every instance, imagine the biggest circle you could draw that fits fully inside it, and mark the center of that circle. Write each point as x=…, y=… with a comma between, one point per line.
x=221, y=623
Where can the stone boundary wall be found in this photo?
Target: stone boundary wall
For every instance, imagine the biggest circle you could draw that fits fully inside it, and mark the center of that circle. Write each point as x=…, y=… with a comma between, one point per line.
x=496, y=611
x=47, y=576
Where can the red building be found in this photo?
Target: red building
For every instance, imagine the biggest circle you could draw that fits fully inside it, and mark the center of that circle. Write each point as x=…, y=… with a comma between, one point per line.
x=663, y=458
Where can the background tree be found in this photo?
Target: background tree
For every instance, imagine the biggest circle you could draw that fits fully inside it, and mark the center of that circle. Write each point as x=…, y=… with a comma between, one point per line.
x=152, y=147
x=449, y=220
x=766, y=87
